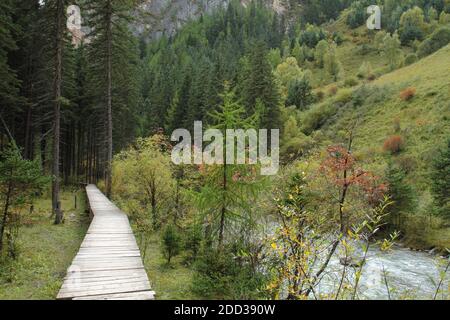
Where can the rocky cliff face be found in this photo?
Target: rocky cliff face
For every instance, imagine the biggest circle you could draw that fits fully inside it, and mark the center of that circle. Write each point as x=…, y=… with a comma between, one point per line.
x=158, y=17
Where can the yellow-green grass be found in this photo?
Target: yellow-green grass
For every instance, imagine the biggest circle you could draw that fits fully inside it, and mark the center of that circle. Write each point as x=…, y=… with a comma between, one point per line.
x=170, y=282
x=424, y=120
x=45, y=250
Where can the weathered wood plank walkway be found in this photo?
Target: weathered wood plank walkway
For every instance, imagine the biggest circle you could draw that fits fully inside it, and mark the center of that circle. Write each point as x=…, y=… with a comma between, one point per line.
x=108, y=265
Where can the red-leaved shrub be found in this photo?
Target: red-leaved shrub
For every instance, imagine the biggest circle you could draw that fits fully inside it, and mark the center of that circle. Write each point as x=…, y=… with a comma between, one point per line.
x=408, y=94
x=332, y=90
x=393, y=144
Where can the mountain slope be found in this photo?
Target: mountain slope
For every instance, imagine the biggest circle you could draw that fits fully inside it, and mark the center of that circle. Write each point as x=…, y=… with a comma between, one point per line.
x=158, y=17
x=422, y=122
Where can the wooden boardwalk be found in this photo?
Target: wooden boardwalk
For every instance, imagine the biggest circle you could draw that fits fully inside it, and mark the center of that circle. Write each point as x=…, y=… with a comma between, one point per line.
x=108, y=265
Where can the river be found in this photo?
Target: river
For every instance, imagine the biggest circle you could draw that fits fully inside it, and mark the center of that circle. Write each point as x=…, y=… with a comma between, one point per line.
x=410, y=274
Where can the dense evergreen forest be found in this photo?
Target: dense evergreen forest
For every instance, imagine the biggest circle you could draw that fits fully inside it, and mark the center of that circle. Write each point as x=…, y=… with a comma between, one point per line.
x=364, y=140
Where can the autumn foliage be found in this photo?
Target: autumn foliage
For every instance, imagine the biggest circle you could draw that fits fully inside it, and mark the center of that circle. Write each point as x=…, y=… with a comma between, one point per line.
x=408, y=94
x=341, y=167
x=393, y=144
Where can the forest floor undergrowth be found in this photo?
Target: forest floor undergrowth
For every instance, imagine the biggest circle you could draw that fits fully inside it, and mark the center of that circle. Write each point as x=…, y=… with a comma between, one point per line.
x=45, y=250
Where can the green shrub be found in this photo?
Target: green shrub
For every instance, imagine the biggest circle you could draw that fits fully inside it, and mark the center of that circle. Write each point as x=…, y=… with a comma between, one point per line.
x=221, y=274
x=312, y=35
x=437, y=40
x=364, y=70
x=192, y=241
x=338, y=37
x=171, y=242
x=344, y=96
x=315, y=117
x=370, y=95
x=300, y=93
x=351, y=82
x=407, y=163
x=411, y=58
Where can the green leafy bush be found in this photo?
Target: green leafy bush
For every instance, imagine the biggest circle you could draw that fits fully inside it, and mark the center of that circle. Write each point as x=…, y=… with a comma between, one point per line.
x=300, y=93
x=411, y=58
x=312, y=35
x=351, y=82
x=344, y=96
x=315, y=117
x=224, y=274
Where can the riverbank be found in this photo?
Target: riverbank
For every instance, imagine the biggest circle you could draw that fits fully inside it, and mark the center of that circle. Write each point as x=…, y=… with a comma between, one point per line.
x=431, y=236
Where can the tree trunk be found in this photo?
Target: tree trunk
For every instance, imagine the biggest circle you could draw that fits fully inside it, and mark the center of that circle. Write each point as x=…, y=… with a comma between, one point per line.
x=57, y=110
x=109, y=124
x=343, y=219
x=28, y=150
x=5, y=213
x=224, y=206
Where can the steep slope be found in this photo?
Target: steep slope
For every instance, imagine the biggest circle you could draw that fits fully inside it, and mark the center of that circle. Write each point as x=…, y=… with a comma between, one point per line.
x=158, y=17
x=422, y=122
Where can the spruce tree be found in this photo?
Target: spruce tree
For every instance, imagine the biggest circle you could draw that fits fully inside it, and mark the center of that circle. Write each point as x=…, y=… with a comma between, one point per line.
x=259, y=83
x=440, y=186
x=110, y=55
x=180, y=107
x=400, y=193
x=56, y=41
x=9, y=85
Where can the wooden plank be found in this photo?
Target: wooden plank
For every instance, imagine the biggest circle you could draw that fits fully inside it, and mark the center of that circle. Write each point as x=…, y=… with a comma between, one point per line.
x=108, y=265
x=106, y=273
x=130, y=287
x=142, y=295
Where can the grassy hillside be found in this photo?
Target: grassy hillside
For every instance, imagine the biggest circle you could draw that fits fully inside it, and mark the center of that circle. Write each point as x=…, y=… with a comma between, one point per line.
x=378, y=112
